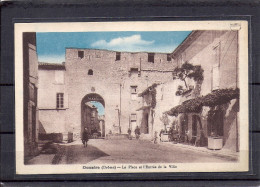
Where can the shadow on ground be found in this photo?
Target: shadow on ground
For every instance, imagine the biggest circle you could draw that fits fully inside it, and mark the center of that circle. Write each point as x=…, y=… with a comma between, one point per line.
x=77, y=154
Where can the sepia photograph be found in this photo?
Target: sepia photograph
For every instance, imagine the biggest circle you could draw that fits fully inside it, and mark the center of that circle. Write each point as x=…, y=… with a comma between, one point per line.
x=123, y=97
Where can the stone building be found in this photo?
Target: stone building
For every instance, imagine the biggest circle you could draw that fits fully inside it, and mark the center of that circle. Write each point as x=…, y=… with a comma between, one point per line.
x=90, y=119
x=207, y=110
x=30, y=90
x=52, y=98
x=157, y=99
x=111, y=78
x=210, y=109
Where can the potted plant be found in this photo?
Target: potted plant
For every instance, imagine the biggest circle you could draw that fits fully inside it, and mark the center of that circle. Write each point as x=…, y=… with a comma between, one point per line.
x=164, y=134
x=215, y=142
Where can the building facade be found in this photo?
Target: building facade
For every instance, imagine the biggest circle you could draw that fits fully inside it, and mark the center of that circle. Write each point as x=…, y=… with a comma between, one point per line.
x=52, y=98
x=30, y=91
x=112, y=78
x=210, y=111
x=157, y=99
x=207, y=110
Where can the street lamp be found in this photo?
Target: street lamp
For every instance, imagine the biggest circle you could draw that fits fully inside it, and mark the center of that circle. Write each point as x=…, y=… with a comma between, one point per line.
x=120, y=102
x=119, y=116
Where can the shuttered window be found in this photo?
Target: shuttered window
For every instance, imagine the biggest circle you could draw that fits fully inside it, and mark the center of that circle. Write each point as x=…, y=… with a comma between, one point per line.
x=60, y=100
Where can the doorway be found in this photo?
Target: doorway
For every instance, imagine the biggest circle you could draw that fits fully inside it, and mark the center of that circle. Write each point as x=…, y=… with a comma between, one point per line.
x=145, y=123
x=93, y=115
x=183, y=127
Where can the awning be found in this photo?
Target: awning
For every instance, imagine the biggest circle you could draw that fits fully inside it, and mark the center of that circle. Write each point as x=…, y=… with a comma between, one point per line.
x=220, y=96
x=189, y=106
x=217, y=97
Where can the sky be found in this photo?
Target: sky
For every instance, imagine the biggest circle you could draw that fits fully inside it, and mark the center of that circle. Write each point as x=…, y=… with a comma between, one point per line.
x=100, y=107
x=51, y=45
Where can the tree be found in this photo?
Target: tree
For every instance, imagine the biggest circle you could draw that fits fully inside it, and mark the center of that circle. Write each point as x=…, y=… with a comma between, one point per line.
x=186, y=71
x=165, y=121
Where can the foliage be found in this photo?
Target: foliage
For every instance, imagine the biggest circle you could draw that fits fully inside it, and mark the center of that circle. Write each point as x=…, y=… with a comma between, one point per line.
x=220, y=96
x=190, y=71
x=153, y=93
x=192, y=105
x=150, y=90
x=180, y=90
x=216, y=98
x=147, y=90
x=165, y=121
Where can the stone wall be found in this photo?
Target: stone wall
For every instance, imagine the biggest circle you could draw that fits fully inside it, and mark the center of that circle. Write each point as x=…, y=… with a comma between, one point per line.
x=30, y=90
x=112, y=80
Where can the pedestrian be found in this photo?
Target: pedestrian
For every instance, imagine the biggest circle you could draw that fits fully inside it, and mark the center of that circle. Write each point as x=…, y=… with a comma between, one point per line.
x=137, y=132
x=155, y=139
x=85, y=137
x=170, y=134
x=129, y=134
x=161, y=133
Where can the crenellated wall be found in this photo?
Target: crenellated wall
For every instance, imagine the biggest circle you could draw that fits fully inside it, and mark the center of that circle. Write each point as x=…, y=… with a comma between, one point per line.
x=112, y=80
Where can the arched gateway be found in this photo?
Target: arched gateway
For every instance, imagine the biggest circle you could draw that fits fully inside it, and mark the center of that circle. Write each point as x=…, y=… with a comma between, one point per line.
x=89, y=115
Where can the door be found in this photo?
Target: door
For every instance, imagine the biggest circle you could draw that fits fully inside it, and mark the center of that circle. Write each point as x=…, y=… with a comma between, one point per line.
x=146, y=126
x=194, y=125
x=184, y=126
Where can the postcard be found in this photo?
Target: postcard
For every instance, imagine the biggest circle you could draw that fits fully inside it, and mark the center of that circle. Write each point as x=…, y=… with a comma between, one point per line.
x=131, y=97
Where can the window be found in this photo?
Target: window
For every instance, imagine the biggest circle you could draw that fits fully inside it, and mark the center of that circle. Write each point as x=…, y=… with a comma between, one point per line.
x=90, y=72
x=134, y=70
x=215, y=77
x=133, y=121
x=215, y=68
x=134, y=89
x=151, y=57
x=133, y=92
x=118, y=56
x=133, y=117
x=81, y=54
x=169, y=57
x=60, y=100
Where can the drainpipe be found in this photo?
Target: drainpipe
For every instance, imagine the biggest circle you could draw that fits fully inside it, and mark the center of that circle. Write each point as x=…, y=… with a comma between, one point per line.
x=140, y=66
x=120, y=111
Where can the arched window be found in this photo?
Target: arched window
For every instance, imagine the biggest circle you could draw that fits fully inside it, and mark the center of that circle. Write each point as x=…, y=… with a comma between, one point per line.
x=90, y=72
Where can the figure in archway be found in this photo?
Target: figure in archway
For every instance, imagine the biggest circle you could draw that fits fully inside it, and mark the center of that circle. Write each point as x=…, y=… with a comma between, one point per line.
x=85, y=137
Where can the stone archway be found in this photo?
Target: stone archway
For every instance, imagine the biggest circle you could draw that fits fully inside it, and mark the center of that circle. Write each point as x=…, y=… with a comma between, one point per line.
x=89, y=115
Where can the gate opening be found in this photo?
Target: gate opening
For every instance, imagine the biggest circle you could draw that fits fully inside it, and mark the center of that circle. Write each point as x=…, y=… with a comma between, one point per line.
x=93, y=115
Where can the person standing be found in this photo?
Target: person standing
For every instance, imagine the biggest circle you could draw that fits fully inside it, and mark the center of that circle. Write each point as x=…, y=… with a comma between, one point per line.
x=129, y=134
x=155, y=138
x=85, y=137
x=137, y=132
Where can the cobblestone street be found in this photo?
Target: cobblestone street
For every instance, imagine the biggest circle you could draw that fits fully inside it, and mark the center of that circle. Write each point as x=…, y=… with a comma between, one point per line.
x=101, y=151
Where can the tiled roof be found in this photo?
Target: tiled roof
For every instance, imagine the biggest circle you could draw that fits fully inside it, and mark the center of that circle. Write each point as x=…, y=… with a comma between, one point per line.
x=147, y=90
x=51, y=66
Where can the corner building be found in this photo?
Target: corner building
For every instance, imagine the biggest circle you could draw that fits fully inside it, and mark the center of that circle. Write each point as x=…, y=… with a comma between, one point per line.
x=114, y=79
